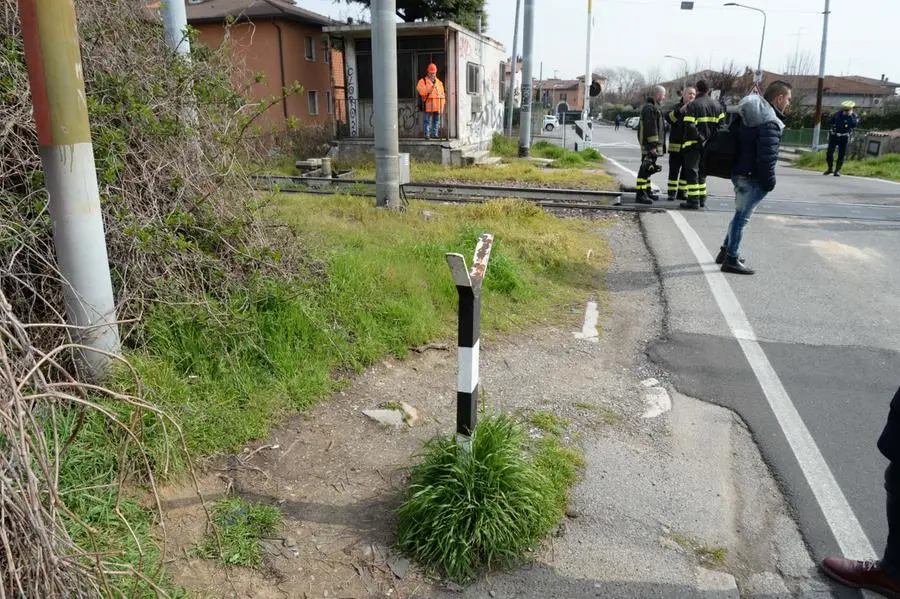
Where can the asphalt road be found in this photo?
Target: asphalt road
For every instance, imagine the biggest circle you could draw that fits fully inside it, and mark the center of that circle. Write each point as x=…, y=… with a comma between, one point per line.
x=823, y=307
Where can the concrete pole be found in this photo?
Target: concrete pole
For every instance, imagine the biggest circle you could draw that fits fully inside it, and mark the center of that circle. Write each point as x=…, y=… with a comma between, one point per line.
x=512, y=72
x=384, y=85
x=588, y=78
x=817, y=122
x=64, y=136
x=527, y=64
x=174, y=16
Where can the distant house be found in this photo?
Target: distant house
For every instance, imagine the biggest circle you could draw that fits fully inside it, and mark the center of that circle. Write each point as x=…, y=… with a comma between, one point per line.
x=517, y=83
x=280, y=40
x=470, y=66
x=866, y=92
x=563, y=95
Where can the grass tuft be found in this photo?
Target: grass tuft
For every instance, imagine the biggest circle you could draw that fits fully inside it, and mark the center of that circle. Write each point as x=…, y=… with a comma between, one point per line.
x=507, y=147
x=882, y=167
x=466, y=509
x=239, y=526
x=549, y=422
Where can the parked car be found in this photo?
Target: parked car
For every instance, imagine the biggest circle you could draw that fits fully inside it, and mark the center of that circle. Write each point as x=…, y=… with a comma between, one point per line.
x=551, y=122
x=632, y=122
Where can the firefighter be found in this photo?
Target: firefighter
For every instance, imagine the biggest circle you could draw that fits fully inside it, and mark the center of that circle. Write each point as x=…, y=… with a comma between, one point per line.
x=840, y=128
x=701, y=121
x=677, y=183
x=652, y=139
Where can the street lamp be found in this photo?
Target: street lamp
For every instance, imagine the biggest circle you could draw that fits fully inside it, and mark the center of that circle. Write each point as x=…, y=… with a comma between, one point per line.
x=763, y=40
x=684, y=77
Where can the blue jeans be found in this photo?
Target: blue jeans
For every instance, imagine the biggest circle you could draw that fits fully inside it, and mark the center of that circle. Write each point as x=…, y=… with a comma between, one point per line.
x=432, y=124
x=747, y=196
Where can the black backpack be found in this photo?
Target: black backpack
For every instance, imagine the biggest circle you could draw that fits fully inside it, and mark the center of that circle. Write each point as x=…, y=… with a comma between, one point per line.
x=720, y=152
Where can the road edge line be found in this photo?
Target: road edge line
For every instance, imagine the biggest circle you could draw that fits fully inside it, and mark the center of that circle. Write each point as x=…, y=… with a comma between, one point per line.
x=841, y=519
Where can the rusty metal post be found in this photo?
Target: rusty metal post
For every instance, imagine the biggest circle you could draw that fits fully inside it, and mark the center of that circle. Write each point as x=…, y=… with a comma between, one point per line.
x=67, y=154
x=468, y=286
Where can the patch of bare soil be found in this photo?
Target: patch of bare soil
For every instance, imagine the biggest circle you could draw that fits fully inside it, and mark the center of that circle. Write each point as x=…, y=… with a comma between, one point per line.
x=336, y=474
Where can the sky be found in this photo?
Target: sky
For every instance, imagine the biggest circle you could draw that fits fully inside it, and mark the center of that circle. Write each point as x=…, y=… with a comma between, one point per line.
x=639, y=33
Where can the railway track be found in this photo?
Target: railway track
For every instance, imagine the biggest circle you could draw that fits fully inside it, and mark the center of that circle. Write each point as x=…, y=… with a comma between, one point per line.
x=582, y=199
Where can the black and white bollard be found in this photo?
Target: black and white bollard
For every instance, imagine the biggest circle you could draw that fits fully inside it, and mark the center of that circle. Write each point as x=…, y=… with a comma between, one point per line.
x=468, y=285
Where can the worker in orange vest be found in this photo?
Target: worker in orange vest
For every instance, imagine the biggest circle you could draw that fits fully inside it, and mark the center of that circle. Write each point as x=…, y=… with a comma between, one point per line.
x=431, y=92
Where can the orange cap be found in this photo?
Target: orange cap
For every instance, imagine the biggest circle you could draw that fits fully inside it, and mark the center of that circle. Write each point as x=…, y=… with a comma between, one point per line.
x=432, y=68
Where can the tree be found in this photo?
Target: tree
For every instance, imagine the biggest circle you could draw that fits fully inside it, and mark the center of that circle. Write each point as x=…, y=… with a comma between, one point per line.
x=464, y=12
x=799, y=63
x=623, y=84
x=727, y=80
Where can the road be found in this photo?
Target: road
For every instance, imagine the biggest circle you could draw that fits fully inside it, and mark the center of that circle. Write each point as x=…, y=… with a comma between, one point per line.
x=810, y=343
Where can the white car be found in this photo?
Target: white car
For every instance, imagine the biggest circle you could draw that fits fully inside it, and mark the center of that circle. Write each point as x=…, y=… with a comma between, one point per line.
x=632, y=122
x=551, y=122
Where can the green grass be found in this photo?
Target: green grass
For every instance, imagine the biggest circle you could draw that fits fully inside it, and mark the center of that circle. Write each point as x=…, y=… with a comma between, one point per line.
x=711, y=555
x=376, y=284
x=467, y=509
x=239, y=526
x=549, y=422
x=882, y=167
x=507, y=147
x=570, y=170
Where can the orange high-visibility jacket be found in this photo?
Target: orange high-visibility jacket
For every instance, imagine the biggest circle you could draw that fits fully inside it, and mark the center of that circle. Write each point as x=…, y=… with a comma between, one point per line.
x=432, y=94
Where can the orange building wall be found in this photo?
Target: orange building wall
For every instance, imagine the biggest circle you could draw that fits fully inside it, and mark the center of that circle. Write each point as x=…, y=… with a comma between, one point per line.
x=256, y=50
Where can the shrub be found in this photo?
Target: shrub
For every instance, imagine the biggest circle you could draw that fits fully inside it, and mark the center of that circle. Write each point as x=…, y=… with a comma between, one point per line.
x=468, y=508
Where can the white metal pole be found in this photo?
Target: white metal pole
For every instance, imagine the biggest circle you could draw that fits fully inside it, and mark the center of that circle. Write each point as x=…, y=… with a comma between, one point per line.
x=384, y=86
x=175, y=24
x=514, y=62
x=53, y=55
x=527, y=67
x=588, y=78
x=817, y=126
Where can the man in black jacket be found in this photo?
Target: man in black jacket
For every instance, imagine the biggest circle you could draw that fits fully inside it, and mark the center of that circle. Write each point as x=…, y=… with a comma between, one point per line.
x=880, y=576
x=753, y=175
x=652, y=139
x=701, y=121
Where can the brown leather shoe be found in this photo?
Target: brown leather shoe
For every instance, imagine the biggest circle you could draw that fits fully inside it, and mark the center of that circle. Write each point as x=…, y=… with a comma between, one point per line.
x=861, y=575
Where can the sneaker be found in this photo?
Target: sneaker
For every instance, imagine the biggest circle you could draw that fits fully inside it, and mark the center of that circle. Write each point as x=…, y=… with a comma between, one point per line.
x=671, y=196
x=642, y=198
x=828, y=172
x=837, y=173
x=861, y=575
x=735, y=266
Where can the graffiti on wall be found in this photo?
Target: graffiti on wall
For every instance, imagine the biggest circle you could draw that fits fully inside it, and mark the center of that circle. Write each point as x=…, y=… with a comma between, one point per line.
x=407, y=119
x=352, y=102
x=480, y=118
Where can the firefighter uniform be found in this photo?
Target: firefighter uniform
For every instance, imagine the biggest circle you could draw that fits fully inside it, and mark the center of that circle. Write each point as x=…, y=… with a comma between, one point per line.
x=840, y=128
x=701, y=121
x=652, y=139
x=677, y=183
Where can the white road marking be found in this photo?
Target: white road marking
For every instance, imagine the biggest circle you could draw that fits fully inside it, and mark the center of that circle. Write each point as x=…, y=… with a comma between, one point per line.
x=615, y=163
x=589, y=328
x=840, y=517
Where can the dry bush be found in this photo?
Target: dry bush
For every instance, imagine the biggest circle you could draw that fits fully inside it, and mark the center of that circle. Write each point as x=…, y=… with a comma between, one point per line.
x=180, y=216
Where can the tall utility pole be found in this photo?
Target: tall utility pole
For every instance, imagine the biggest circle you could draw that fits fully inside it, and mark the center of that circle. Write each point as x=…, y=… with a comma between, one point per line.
x=820, y=88
x=512, y=72
x=384, y=85
x=588, y=78
x=174, y=14
x=67, y=154
x=527, y=63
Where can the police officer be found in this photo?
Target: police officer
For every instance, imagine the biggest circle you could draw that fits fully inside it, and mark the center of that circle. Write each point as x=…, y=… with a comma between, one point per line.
x=652, y=139
x=701, y=121
x=840, y=127
x=677, y=185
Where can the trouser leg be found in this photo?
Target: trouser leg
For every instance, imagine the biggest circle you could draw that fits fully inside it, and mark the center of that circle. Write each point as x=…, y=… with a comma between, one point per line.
x=842, y=151
x=675, y=162
x=890, y=563
x=691, y=166
x=701, y=182
x=829, y=155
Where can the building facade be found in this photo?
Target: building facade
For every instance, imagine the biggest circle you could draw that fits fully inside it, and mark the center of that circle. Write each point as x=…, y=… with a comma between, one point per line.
x=280, y=41
x=469, y=65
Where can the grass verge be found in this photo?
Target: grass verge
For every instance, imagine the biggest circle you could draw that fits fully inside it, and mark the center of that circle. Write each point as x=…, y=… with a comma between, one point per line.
x=882, y=167
x=239, y=527
x=470, y=508
x=376, y=283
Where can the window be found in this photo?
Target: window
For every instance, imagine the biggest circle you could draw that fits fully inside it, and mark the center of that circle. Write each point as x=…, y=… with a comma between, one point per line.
x=328, y=101
x=310, y=48
x=472, y=76
x=563, y=97
x=313, y=98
